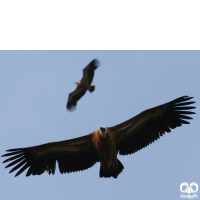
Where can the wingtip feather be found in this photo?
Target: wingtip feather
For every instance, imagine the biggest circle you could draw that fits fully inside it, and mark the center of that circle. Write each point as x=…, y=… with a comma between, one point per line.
x=95, y=62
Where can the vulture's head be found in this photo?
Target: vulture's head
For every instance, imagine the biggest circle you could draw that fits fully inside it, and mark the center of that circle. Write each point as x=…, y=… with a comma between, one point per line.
x=78, y=83
x=103, y=132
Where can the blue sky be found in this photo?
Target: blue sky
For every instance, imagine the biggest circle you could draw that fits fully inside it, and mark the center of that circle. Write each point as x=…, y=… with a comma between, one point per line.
x=35, y=87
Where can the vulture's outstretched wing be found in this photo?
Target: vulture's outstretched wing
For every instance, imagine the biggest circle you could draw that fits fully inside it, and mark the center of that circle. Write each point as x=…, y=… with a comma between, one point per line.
x=146, y=127
x=88, y=71
x=74, y=97
x=72, y=155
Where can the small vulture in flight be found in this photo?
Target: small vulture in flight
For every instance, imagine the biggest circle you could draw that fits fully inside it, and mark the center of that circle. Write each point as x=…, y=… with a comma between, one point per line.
x=103, y=144
x=83, y=85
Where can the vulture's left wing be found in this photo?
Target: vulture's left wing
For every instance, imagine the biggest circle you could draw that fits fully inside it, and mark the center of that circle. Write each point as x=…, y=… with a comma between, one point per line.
x=88, y=71
x=146, y=127
x=72, y=155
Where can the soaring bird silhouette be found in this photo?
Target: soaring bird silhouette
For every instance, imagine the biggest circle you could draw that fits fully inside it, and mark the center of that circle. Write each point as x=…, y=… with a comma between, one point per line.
x=103, y=144
x=83, y=85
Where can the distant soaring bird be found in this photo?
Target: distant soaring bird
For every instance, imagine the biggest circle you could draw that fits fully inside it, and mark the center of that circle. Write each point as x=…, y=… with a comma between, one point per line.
x=83, y=85
x=103, y=144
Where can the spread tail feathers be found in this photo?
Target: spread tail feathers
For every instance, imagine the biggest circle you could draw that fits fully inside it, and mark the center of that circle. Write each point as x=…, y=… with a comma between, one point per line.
x=92, y=88
x=108, y=173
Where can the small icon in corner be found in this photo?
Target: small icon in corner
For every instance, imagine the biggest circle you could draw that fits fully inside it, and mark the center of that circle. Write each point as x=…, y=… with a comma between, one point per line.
x=189, y=189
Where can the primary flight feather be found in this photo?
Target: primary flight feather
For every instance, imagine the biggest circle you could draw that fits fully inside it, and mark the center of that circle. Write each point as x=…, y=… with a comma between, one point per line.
x=83, y=85
x=103, y=144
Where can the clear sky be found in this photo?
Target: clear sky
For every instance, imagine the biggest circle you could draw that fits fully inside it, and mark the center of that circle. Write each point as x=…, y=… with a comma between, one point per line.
x=34, y=89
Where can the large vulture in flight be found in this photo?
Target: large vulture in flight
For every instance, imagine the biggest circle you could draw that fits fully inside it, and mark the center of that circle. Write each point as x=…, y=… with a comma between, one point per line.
x=83, y=85
x=103, y=144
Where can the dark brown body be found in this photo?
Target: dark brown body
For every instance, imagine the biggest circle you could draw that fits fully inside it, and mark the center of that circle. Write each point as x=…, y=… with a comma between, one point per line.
x=107, y=154
x=85, y=86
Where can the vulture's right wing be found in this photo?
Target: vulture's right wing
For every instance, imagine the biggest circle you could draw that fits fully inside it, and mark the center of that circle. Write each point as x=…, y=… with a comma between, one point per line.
x=72, y=155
